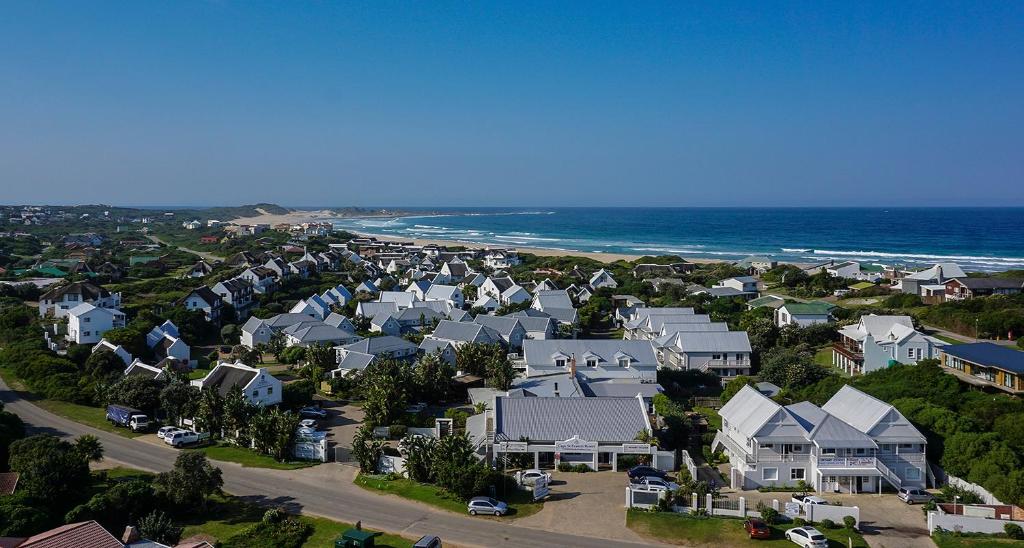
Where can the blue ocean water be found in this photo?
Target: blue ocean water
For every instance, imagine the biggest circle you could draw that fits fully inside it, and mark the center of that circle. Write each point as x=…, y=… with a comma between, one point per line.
x=977, y=238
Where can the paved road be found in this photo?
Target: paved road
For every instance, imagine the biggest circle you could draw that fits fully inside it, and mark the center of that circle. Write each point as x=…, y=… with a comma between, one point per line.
x=964, y=338
x=324, y=490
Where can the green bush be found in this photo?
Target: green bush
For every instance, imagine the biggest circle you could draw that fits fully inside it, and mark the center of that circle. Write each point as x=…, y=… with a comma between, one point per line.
x=769, y=515
x=273, y=532
x=1013, y=531
x=798, y=522
x=849, y=522
x=397, y=431
x=828, y=524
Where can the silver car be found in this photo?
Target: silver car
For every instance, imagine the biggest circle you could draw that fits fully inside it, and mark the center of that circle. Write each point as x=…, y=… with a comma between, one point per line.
x=487, y=505
x=911, y=495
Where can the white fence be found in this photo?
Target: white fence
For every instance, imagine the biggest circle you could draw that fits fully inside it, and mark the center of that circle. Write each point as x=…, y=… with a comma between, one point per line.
x=636, y=498
x=738, y=507
x=818, y=512
x=966, y=524
x=691, y=466
x=986, y=497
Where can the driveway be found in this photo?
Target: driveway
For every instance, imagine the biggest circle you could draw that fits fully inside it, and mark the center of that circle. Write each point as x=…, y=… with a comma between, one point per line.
x=592, y=504
x=342, y=422
x=886, y=521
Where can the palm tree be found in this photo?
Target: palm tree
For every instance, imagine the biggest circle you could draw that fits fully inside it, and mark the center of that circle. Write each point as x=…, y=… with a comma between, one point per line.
x=89, y=447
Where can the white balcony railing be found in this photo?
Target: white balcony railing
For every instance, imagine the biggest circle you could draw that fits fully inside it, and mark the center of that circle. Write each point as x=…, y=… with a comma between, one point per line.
x=846, y=462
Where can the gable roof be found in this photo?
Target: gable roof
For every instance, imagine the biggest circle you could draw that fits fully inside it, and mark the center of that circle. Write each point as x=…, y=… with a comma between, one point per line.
x=73, y=535
x=826, y=430
x=540, y=352
x=502, y=324
x=226, y=375
x=748, y=411
x=808, y=309
x=557, y=419
x=872, y=416
x=88, y=291
x=986, y=353
x=379, y=345
x=939, y=270
x=8, y=482
x=465, y=332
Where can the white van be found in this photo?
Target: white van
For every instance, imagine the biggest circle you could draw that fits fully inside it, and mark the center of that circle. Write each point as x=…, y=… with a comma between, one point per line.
x=181, y=437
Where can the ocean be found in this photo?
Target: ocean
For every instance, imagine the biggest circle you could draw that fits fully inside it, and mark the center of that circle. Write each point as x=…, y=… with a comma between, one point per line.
x=979, y=239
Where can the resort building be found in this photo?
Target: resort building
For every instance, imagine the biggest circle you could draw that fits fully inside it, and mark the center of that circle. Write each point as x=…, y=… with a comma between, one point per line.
x=852, y=444
x=986, y=365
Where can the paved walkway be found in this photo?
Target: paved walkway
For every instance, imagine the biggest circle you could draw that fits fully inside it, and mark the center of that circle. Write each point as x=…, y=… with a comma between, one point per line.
x=593, y=503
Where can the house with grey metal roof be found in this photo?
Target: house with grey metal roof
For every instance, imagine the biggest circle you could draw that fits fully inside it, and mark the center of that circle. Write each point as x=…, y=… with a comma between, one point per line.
x=852, y=444
x=258, y=386
x=594, y=359
x=590, y=431
x=725, y=353
x=536, y=327
x=351, y=362
x=876, y=342
x=386, y=346
x=312, y=332
x=460, y=333
x=369, y=310
x=511, y=330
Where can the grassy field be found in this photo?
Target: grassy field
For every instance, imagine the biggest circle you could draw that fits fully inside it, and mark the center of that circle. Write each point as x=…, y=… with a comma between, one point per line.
x=91, y=416
x=519, y=501
x=227, y=515
x=950, y=340
x=717, y=532
x=948, y=540
x=250, y=459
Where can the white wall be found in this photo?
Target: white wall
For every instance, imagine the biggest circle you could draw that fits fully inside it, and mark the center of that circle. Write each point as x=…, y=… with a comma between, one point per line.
x=966, y=524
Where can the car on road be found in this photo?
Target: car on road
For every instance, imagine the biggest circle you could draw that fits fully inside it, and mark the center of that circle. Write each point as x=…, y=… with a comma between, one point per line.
x=428, y=541
x=308, y=423
x=808, y=537
x=911, y=495
x=314, y=412
x=655, y=484
x=756, y=528
x=642, y=471
x=529, y=477
x=486, y=505
x=164, y=430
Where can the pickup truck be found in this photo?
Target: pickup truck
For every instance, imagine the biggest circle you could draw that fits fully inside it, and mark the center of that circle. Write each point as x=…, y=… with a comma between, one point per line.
x=809, y=499
x=128, y=417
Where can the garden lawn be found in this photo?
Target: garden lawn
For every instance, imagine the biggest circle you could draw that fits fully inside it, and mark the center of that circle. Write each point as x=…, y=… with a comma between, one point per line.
x=948, y=540
x=198, y=373
x=249, y=458
x=95, y=417
x=520, y=502
x=714, y=420
x=683, y=530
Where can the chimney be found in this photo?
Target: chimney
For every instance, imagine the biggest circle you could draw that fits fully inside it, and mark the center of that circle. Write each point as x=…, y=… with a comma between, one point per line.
x=572, y=365
x=131, y=534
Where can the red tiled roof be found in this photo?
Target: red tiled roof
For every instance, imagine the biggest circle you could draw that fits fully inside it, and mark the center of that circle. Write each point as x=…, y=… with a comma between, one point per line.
x=8, y=483
x=74, y=535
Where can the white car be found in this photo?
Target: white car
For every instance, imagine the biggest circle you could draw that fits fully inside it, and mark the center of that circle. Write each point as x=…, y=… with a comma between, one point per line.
x=162, y=432
x=181, y=437
x=529, y=477
x=651, y=483
x=809, y=499
x=808, y=537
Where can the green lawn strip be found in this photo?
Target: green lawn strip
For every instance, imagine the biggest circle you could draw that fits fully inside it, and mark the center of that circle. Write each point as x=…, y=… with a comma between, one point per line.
x=198, y=373
x=249, y=458
x=95, y=417
x=950, y=340
x=684, y=530
x=714, y=420
x=520, y=502
x=949, y=540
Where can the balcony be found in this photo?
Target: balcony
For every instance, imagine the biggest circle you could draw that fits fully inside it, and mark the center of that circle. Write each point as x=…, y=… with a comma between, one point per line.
x=720, y=364
x=849, y=352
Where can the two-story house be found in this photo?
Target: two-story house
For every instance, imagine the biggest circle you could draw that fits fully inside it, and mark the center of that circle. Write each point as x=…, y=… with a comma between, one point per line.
x=852, y=444
x=876, y=342
x=58, y=301
x=724, y=353
x=263, y=279
x=596, y=359
x=238, y=293
x=88, y=323
x=203, y=298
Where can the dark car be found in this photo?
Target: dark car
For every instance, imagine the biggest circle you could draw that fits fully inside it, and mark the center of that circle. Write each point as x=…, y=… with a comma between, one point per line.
x=642, y=471
x=757, y=528
x=429, y=541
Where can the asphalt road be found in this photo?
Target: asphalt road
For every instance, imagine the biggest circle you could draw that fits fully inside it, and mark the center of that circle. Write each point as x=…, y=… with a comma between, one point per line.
x=324, y=490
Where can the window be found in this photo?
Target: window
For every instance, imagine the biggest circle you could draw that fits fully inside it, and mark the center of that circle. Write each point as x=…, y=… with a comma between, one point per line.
x=591, y=363
x=830, y=479
x=270, y=390
x=86, y=333
x=913, y=474
x=560, y=362
x=770, y=474
x=716, y=356
x=906, y=446
x=767, y=446
x=861, y=451
x=623, y=362
x=797, y=474
x=828, y=451
x=255, y=393
x=86, y=320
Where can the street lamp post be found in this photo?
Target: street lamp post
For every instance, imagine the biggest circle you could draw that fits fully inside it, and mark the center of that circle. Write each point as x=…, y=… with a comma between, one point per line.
x=955, y=498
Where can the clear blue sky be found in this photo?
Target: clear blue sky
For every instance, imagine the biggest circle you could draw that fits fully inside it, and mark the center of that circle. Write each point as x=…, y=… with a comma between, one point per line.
x=474, y=104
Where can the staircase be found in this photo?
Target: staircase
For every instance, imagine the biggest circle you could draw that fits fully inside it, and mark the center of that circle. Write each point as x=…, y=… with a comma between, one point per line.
x=888, y=474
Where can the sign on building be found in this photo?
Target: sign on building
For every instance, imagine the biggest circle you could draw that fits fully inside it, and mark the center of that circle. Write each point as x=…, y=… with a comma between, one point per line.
x=514, y=446
x=575, y=445
x=641, y=448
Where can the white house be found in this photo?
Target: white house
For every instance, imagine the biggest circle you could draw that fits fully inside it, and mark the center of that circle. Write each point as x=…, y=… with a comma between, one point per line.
x=594, y=359
x=724, y=353
x=117, y=349
x=511, y=330
x=314, y=306
x=203, y=298
x=515, y=295
x=137, y=367
x=494, y=286
x=803, y=314
x=88, y=323
x=258, y=386
x=58, y=301
x=847, y=269
x=603, y=278
x=852, y=444
x=445, y=293
x=878, y=341
x=166, y=343
x=501, y=258
x=308, y=333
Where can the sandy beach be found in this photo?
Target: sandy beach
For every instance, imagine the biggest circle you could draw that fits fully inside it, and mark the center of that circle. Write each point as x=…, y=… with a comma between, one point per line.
x=296, y=217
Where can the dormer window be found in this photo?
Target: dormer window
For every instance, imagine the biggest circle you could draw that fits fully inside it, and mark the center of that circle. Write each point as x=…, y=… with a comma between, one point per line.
x=624, y=362
x=591, y=362
x=560, y=362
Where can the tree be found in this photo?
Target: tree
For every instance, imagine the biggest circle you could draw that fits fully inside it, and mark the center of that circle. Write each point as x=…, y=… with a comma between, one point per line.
x=230, y=334
x=179, y=400
x=367, y=449
x=297, y=393
x=237, y=411
x=136, y=391
x=192, y=480
x=209, y=411
x=417, y=451
x=320, y=357
x=276, y=344
x=734, y=386
x=159, y=527
x=52, y=470
x=11, y=428
x=473, y=358
x=273, y=431
x=385, y=391
x=246, y=355
x=89, y=447
x=102, y=364
x=432, y=378
x=456, y=469
x=500, y=372
x=118, y=506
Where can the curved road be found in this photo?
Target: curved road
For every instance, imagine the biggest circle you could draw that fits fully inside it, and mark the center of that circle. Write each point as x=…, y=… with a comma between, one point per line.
x=325, y=490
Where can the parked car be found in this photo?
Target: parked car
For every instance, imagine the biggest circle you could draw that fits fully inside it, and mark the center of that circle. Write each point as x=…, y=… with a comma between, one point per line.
x=656, y=484
x=809, y=499
x=181, y=437
x=757, y=528
x=163, y=431
x=529, y=477
x=308, y=423
x=808, y=537
x=429, y=541
x=487, y=505
x=641, y=471
x=911, y=495
x=314, y=412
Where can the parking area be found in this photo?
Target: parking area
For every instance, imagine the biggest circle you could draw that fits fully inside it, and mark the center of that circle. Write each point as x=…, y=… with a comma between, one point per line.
x=886, y=521
x=576, y=499
x=342, y=422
